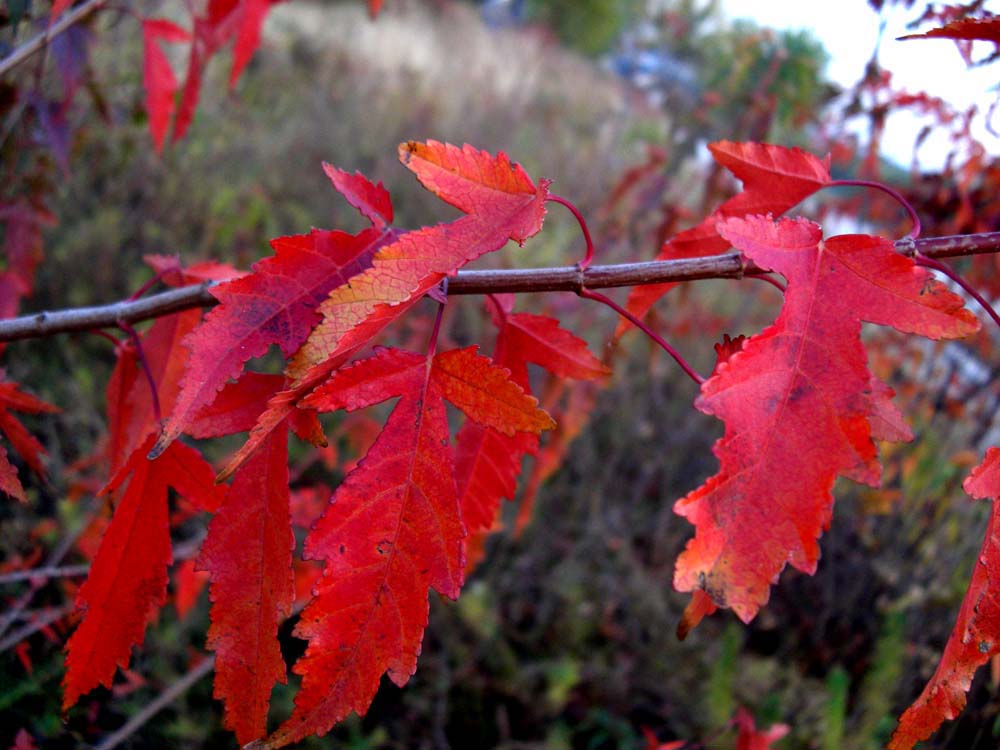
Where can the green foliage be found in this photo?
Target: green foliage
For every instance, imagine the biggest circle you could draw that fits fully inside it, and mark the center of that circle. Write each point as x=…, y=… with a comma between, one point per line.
x=589, y=26
x=766, y=84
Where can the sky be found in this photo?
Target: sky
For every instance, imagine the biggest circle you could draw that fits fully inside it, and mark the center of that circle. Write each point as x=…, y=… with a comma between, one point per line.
x=849, y=30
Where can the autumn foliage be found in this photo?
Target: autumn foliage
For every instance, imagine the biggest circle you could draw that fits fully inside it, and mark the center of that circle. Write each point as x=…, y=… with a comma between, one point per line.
x=799, y=404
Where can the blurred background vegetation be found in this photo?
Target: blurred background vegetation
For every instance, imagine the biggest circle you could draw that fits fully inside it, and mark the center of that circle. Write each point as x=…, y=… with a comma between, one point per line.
x=564, y=635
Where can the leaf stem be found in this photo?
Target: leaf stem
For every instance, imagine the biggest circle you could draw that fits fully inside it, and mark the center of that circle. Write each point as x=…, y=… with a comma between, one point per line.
x=432, y=344
x=589, y=257
x=770, y=280
x=937, y=265
x=683, y=363
x=897, y=196
x=137, y=342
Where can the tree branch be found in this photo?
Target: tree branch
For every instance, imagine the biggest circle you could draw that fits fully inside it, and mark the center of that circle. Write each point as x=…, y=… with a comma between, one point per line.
x=521, y=280
x=30, y=47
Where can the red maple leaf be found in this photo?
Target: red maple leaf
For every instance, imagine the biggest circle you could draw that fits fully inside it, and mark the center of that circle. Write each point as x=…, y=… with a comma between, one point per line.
x=223, y=21
x=131, y=412
x=248, y=553
x=26, y=445
x=504, y=204
x=775, y=179
x=275, y=304
x=127, y=583
x=751, y=738
x=975, y=639
x=158, y=76
x=488, y=462
x=393, y=528
x=798, y=404
x=965, y=31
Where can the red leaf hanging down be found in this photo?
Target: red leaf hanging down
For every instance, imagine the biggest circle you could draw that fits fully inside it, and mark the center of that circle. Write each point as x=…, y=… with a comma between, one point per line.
x=798, y=404
x=393, y=528
x=975, y=640
x=223, y=21
x=275, y=304
x=13, y=399
x=131, y=416
x=127, y=583
x=158, y=77
x=374, y=6
x=507, y=204
x=487, y=462
x=775, y=179
x=248, y=552
x=22, y=222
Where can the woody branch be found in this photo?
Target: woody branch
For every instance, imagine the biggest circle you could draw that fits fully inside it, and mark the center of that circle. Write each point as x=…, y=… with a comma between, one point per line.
x=559, y=279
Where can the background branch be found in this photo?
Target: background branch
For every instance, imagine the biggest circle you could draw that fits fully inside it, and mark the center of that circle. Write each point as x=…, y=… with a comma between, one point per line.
x=30, y=47
x=521, y=280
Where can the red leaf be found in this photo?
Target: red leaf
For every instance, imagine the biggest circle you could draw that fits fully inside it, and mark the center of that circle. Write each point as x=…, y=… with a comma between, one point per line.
x=58, y=7
x=131, y=417
x=477, y=182
x=172, y=273
x=775, y=179
x=975, y=639
x=403, y=271
x=158, y=77
x=26, y=445
x=488, y=463
x=798, y=404
x=251, y=20
x=371, y=200
x=22, y=241
x=276, y=304
x=374, y=6
x=502, y=203
x=700, y=606
x=188, y=584
x=983, y=29
x=393, y=527
x=248, y=553
x=751, y=738
x=127, y=583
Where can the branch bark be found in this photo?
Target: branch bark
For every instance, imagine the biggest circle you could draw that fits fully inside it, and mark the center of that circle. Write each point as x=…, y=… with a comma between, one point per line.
x=562, y=279
x=30, y=47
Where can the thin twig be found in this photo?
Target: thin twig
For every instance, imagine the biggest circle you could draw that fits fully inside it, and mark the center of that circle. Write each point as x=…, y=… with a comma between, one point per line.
x=43, y=38
x=164, y=699
x=521, y=280
x=39, y=622
x=663, y=343
x=8, y=618
x=44, y=574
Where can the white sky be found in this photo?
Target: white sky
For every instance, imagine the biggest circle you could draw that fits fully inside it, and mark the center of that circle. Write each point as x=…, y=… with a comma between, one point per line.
x=849, y=31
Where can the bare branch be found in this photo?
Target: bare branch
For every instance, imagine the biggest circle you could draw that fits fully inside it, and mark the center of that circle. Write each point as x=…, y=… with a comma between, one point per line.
x=44, y=573
x=41, y=39
x=164, y=699
x=39, y=622
x=521, y=280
